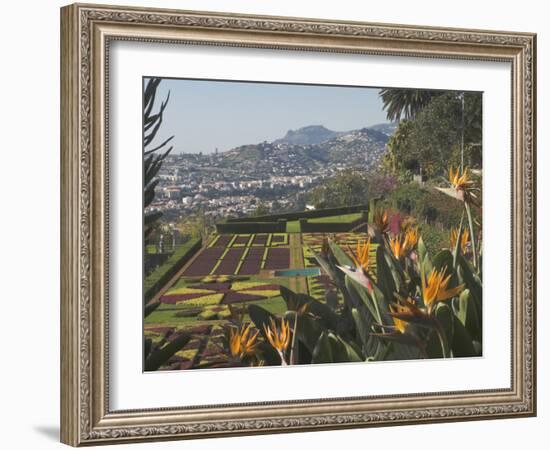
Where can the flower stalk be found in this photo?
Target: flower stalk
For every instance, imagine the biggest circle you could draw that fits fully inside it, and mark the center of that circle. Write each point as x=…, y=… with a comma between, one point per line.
x=472, y=233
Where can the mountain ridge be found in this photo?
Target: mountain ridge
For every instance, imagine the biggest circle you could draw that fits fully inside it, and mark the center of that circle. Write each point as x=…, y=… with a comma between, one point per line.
x=308, y=135
x=318, y=134
x=362, y=148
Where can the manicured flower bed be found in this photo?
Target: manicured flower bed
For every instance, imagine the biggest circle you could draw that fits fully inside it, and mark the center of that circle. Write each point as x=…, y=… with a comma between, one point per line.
x=240, y=297
x=260, y=240
x=278, y=258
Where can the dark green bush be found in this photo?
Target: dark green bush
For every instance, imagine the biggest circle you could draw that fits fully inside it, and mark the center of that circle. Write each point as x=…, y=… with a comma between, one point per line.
x=435, y=238
x=302, y=214
x=162, y=274
x=251, y=227
x=331, y=227
x=426, y=204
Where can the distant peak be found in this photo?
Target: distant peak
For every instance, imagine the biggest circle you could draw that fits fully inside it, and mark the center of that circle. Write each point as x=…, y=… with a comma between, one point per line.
x=311, y=134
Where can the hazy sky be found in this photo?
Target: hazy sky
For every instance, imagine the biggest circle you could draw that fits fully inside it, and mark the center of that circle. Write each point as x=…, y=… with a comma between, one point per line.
x=203, y=115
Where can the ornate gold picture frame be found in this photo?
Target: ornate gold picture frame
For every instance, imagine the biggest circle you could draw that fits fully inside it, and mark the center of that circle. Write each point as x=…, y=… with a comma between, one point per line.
x=87, y=32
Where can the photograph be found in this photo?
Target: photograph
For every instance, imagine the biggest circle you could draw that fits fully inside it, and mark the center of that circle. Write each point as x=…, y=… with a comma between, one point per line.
x=290, y=220
x=292, y=224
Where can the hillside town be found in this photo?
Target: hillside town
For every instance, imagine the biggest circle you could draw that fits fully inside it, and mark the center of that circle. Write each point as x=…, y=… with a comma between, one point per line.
x=276, y=175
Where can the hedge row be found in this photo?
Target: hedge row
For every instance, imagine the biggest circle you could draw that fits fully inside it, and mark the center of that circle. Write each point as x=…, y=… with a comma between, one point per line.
x=331, y=227
x=302, y=214
x=162, y=274
x=251, y=227
x=427, y=205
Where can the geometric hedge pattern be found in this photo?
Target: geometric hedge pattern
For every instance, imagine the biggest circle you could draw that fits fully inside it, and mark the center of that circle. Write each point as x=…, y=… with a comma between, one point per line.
x=229, y=271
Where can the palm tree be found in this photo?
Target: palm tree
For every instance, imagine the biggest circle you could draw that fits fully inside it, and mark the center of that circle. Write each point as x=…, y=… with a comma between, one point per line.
x=405, y=103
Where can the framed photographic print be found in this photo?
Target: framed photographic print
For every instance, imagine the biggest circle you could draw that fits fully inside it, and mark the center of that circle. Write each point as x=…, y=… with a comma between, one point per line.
x=277, y=224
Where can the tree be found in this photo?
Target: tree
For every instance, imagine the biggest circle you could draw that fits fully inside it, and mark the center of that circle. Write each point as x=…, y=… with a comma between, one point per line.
x=398, y=148
x=153, y=154
x=438, y=132
x=431, y=142
x=262, y=209
x=349, y=187
x=405, y=103
x=198, y=225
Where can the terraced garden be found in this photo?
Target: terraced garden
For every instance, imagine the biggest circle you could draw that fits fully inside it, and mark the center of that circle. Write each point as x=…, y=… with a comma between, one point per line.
x=226, y=275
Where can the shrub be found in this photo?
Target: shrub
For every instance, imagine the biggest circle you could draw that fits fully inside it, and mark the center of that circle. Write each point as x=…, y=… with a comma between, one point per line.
x=332, y=226
x=435, y=238
x=427, y=204
x=302, y=214
x=240, y=285
x=207, y=314
x=162, y=274
x=251, y=227
x=187, y=290
x=207, y=300
x=266, y=293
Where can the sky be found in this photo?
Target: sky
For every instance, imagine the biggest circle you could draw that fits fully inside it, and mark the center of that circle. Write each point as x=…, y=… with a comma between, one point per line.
x=205, y=115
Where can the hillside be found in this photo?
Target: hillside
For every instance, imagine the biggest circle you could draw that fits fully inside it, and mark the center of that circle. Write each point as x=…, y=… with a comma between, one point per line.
x=359, y=148
x=310, y=135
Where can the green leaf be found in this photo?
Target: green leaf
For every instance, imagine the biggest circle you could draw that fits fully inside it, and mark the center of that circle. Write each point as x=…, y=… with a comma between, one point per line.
x=426, y=266
x=471, y=280
x=361, y=324
x=446, y=322
x=327, y=266
x=308, y=330
x=443, y=260
x=385, y=280
x=467, y=314
x=331, y=298
x=343, y=351
x=462, y=341
x=152, y=217
x=329, y=317
x=150, y=308
x=358, y=295
x=422, y=251
x=260, y=317
x=322, y=353
x=147, y=345
x=340, y=255
x=159, y=357
x=372, y=345
x=457, y=251
x=396, y=271
x=433, y=346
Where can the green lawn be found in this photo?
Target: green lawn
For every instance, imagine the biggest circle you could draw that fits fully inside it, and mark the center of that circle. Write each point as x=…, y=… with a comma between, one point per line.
x=346, y=218
x=293, y=226
x=275, y=305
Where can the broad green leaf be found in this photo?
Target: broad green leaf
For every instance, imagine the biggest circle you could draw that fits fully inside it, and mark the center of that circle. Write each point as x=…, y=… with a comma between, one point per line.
x=359, y=294
x=313, y=306
x=308, y=331
x=260, y=317
x=322, y=353
x=385, y=280
x=467, y=314
x=462, y=341
x=363, y=323
x=340, y=255
x=159, y=357
x=472, y=282
x=421, y=247
x=443, y=260
x=446, y=322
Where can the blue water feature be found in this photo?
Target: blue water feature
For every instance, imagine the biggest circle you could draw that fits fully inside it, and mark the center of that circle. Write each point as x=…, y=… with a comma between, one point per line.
x=309, y=272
